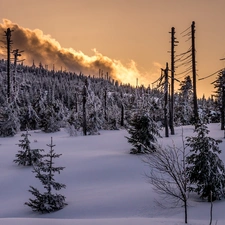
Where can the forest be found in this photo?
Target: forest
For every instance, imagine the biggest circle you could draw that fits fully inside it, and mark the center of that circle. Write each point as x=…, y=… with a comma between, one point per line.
x=50, y=100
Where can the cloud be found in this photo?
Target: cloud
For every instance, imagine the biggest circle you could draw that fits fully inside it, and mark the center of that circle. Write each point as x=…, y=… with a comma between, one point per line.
x=45, y=49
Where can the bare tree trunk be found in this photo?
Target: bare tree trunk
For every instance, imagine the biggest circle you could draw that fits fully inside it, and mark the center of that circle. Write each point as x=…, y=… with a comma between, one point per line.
x=8, y=34
x=105, y=104
x=171, y=120
x=84, y=110
x=222, y=111
x=194, y=73
x=185, y=211
x=211, y=207
x=166, y=102
x=122, y=115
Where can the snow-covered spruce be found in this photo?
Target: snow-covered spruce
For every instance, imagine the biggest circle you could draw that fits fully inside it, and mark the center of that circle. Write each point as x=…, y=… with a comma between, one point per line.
x=143, y=131
x=49, y=122
x=73, y=123
x=9, y=121
x=183, y=104
x=27, y=156
x=93, y=110
x=47, y=202
x=205, y=169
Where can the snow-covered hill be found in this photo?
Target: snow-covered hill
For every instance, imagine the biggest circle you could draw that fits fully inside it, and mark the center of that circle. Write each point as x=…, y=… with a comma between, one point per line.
x=105, y=184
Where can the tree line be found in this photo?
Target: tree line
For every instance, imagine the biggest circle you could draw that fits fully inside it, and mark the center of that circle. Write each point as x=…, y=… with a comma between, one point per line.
x=50, y=100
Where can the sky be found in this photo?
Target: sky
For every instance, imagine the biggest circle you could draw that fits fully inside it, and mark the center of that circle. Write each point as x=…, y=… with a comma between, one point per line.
x=128, y=39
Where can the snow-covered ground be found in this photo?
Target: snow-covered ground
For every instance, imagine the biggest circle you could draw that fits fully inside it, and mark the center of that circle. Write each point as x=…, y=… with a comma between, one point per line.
x=105, y=184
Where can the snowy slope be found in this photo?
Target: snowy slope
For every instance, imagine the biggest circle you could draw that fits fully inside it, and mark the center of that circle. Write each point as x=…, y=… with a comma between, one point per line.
x=105, y=184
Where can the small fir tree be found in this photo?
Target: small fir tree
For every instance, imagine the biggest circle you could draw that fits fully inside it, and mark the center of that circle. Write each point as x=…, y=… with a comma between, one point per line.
x=48, y=201
x=27, y=156
x=143, y=131
x=205, y=168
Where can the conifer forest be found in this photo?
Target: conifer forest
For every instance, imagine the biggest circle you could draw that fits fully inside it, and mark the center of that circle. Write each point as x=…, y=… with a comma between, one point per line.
x=35, y=97
x=84, y=104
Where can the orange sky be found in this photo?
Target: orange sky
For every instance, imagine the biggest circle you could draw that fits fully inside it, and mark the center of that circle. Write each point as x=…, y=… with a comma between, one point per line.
x=129, y=30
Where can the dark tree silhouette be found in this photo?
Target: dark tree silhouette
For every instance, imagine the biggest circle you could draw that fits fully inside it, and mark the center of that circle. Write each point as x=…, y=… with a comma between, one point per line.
x=48, y=201
x=27, y=156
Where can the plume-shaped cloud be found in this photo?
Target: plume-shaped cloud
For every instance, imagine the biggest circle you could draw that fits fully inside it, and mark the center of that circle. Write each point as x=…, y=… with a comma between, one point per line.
x=45, y=49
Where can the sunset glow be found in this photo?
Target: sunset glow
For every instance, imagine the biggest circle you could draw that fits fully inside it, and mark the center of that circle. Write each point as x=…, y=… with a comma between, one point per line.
x=127, y=41
x=44, y=49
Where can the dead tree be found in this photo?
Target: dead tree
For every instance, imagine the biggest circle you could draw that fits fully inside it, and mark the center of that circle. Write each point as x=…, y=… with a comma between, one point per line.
x=173, y=44
x=16, y=54
x=194, y=73
x=105, y=104
x=122, y=115
x=223, y=101
x=188, y=59
x=8, y=34
x=84, y=108
x=168, y=175
x=166, y=101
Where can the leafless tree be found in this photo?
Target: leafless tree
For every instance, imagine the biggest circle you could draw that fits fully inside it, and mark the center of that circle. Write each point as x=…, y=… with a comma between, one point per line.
x=168, y=175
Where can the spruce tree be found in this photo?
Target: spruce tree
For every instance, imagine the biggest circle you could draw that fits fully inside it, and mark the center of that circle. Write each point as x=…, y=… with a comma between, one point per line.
x=184, y=102
x=27, y=156
x=49, y=122
x=28, y=117
x=94, y=114
x=143, y=131
x=9, y=121
x=220, y=96
x=48, y=201
x=205, y=169
x=73, y=123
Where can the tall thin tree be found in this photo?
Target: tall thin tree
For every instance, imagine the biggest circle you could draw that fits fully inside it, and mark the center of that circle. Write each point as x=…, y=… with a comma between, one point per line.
x=171, y=118
x=84, y=108
x=8, y=34
x=166, y=101
x=194, y=73
x=16, y=54
x=223, y=101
